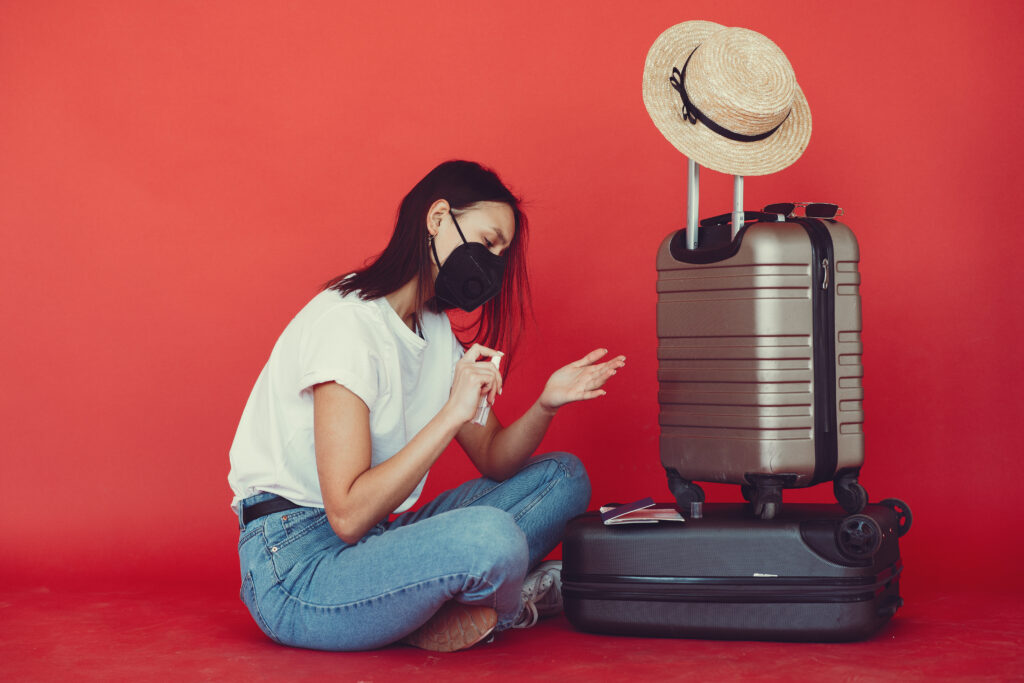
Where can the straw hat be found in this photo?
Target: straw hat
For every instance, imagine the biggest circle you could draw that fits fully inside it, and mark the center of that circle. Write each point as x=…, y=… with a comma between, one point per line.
x=745, y=115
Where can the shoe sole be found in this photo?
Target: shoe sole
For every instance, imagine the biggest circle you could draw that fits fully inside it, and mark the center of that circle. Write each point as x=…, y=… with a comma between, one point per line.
x=454, y=627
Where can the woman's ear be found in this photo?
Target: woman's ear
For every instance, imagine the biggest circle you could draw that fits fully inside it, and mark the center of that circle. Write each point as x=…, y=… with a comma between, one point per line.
x=438, y=210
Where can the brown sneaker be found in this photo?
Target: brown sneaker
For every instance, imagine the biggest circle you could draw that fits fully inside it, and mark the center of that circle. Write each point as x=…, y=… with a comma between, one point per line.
x=454, y=627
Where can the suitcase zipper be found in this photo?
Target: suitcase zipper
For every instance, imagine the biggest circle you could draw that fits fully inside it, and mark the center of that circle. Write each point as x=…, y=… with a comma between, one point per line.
x=826, y=447
x=792, y=589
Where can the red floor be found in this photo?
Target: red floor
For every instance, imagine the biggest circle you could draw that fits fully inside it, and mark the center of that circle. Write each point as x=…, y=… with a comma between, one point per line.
x=148, y=635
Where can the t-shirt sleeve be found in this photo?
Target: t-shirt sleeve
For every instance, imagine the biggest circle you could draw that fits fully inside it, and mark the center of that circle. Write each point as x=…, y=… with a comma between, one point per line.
x=340, y=346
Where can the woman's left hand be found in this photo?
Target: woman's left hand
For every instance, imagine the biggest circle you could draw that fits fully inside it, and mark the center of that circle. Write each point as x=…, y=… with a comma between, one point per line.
x=579, y=381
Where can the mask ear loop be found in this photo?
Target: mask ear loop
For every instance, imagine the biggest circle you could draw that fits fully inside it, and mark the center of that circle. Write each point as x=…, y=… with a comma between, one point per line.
x=433, y=241
x=433, y=248
x=464, y=240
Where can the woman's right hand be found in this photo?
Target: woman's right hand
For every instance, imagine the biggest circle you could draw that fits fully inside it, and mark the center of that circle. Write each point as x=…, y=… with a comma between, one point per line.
x=473, y=379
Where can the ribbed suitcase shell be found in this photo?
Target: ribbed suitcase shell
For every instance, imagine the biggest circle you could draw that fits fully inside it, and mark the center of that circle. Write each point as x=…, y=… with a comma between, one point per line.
x=729, y=576
x=736, y=356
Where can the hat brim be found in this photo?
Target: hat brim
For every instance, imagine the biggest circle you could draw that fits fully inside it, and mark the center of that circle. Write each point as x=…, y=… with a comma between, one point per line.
x=697, y=141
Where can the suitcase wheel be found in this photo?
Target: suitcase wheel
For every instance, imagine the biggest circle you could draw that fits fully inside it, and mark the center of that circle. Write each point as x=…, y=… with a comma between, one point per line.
x=859, y=537
x=850, y=494
x=684, y=490
x=903, y=516
x=766, y=510
x=748, y=492
x=764, y=493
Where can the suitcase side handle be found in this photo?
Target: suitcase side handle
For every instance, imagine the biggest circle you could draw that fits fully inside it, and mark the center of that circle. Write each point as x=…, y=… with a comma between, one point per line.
x=693, y=203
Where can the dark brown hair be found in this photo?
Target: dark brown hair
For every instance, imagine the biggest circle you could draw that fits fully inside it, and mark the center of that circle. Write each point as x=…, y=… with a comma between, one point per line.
x=499, y=322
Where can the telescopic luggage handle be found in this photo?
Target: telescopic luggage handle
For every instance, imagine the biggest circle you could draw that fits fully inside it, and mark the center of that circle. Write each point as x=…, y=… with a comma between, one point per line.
x=693, y=202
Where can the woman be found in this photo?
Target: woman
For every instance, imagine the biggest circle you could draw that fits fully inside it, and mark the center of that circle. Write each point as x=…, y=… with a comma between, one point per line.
x=364, y=390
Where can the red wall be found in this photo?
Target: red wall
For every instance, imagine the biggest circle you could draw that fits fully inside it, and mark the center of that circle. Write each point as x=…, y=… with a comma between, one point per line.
x=177, y=179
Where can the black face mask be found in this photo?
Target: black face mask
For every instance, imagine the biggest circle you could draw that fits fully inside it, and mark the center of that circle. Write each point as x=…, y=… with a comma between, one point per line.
x=470, y=276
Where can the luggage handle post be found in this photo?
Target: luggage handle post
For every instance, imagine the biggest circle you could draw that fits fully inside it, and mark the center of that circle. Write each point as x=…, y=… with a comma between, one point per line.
x=693, y=203
x=692, y=200
x=737, y=204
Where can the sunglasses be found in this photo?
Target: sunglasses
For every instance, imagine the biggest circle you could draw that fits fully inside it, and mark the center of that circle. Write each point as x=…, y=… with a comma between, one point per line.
x=748, y=216
x=809, y=209
x=774, y=213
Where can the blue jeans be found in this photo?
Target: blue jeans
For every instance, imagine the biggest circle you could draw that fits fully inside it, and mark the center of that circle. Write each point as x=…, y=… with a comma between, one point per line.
x=306, y=587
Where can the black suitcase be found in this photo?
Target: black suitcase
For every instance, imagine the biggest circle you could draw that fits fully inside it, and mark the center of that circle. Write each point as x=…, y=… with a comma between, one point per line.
x=813, y=573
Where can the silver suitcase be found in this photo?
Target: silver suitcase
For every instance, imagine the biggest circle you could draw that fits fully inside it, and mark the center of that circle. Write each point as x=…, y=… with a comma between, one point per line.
x=759, y=358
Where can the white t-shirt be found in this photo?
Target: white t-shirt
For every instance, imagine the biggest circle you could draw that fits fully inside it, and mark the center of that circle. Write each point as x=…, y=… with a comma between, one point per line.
x=362, y=345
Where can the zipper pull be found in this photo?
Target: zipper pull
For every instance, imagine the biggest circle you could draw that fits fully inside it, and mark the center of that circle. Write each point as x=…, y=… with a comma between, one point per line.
x=824, y=267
